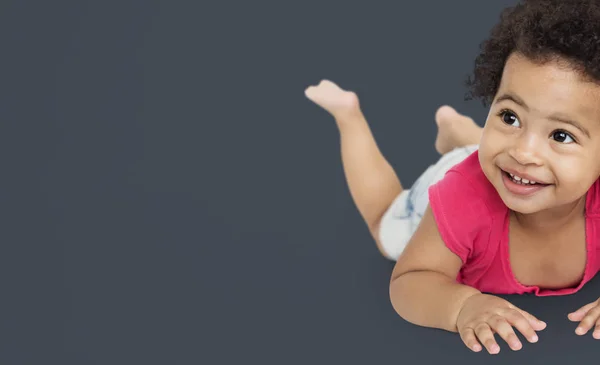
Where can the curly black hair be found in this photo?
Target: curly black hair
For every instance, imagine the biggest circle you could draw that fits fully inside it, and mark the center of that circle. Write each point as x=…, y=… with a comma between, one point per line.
x=542, y=31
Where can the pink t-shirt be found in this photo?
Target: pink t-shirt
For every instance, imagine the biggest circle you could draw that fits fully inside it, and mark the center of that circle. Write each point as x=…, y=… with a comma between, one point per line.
x=473, y=222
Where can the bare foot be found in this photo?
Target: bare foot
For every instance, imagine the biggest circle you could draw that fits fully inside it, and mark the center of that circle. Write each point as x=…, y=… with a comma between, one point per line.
x=454, y=130
x=337, y=101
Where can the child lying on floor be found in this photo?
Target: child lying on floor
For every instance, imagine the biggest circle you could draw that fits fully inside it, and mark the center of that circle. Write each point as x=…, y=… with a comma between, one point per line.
x=511, y=208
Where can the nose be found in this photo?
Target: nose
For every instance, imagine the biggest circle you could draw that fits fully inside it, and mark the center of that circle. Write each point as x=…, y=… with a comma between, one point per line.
x=526, y=150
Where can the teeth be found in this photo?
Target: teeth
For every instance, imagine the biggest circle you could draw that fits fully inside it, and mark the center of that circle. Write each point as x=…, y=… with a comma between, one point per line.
x=520, y=180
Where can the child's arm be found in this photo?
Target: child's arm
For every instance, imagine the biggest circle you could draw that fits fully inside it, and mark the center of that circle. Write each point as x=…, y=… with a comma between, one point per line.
x=424, y=291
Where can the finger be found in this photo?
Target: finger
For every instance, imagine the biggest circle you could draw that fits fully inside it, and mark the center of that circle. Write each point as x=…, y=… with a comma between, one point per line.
x=486, y=337
x=505, y=330
x=536, y=323
x=596, y=333
x=468, y=337
x=578, y=315
x=516, y=319
x=588, y=321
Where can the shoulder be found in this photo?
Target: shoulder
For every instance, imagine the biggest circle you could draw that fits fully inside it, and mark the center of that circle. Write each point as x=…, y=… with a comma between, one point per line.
x=592, y=208
x=592, y=204
x=464, y=204
x=466, y=188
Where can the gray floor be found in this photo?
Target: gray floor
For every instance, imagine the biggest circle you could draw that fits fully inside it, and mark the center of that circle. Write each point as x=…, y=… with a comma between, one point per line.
x=170, y=196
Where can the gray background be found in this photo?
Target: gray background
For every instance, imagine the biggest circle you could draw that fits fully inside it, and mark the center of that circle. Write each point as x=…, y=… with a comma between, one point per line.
x=169, y=196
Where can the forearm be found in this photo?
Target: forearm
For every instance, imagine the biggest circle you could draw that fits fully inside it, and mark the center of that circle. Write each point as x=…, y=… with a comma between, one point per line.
x=429, y=299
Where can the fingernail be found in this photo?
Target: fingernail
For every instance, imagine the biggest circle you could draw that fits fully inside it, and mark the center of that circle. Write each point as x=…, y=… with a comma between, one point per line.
x=534, y=339
x=579, y=331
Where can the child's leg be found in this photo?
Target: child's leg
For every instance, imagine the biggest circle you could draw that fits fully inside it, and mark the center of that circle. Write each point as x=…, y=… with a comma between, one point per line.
x=459, y=136
x=375, y=187
x=454, y=130
x=372, y=182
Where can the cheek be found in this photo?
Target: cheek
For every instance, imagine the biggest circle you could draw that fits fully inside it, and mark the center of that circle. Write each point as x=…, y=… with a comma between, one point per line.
x=576, y=174
x=488, y=150
x=491, y=143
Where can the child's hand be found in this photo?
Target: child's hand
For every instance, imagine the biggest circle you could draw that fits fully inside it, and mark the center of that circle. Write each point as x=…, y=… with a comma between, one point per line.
x=333, y=99
x=589, y=316
x=483, y=315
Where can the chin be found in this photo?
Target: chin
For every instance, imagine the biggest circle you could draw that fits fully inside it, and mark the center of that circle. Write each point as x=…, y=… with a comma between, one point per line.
x=522, y=207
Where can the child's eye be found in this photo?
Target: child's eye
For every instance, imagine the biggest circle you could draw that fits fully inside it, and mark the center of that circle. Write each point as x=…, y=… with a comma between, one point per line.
x=509, y=118
x=562, y=137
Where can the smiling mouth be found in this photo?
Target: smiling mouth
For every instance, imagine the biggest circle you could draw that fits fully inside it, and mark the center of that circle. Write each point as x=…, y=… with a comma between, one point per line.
x=521, y=181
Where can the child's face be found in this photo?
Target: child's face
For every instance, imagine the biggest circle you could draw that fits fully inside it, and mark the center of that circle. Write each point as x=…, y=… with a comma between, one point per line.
x=527, y=134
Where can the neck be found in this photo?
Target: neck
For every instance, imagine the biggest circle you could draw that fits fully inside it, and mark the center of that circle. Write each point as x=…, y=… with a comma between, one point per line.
x=551, y=219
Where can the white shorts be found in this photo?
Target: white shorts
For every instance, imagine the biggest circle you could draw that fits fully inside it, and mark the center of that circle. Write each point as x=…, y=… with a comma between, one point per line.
x=404, y=214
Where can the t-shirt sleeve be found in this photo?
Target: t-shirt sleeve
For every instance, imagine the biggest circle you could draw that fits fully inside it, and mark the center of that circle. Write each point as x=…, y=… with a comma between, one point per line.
x=459, y=213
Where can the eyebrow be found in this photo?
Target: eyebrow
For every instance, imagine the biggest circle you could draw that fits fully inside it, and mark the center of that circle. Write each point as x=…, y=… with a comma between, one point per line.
x=556, y=117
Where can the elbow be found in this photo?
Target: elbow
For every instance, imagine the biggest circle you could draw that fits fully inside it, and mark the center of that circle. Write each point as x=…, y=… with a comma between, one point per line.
x=397, y=294
x=404, y=292
x=400, y=304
